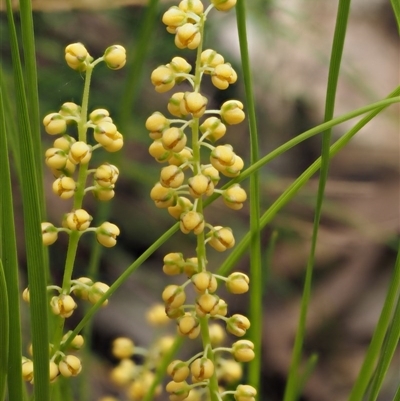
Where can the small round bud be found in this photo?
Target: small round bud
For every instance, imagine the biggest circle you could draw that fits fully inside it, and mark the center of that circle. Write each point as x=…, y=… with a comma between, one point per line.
x=243, y=351
x=214, y=128
x=156, y=315
x=173, y=264
x=156, y=124
x=25, y=295
x=124, y=372
x=54, y=124
x=191, y=266
x=204, y=281
x=230, y=371
x=103, y=193
x=173, y=139
x=174, y=313
x=192, y=221
x=200, y=185
x=217, y=334
x=53, y=371
x=237, y=283
x=221, y=238
x=158, y=151
x=184, y=156
x=106, y=175
x=245, y=392
x=164, y=344
x=195, y=6
x=82, y=287
x=27, y=370
x=96, y=291
x=98, y=115
x=234, y=197
x=79, y=220
x=116, y=144
x=64, y=143
x=232, y=112
x=76, y=56
x=140, y=387
x=178, y=370
x=174, y=296
x=172, y=177
x=70, y=366
x=222, y=308
x=212, y=173
x=115, y=57
x=187, y=36
x=80, y=152
x=163, y=197
x=194, y=103
x=64, y=187
x=223, y=76
x=56, y=158
x=178, y=391
x=202, y=369
x=207, y=304
x=180, y=65
x=123, y=347
x=222, y=157
x=69, y=109
x=49, y=233
x=163, y=79
x=105, y=133
x=173, y=18
x=174, y=104
x=107, y=234
x=237, y=325
x=182, y=205
x=76, y=343
x=235, y=169
x=63, y=305
x=210, y=58
x=189, y=325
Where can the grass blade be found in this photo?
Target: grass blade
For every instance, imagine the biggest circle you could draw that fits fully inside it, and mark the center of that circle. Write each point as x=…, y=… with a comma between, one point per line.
x=396, y=11
x=4, y=332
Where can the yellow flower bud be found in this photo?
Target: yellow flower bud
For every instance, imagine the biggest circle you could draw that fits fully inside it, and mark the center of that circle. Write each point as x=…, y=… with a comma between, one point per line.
x=98, y=115
x=107, y=234
x=207, y=304
x=234, y=197
x=245, y=392
x=202, y=369
x=64, y=187
x=189, y=325
x=70, y=366
x=54, y=124
x=78, y=220
x=70, y=109
x=222, y=308
x=173, y=139
x=76, y=343
x=199, y=185
x=163, y=197
x=53, y=371
x=192, y=221
x=63, y=305
x=172, y=177
x=187, y=36
x=140, y=387
x=217, y=334
x=56, y=158
x=174, y=313
x=115, y=57
x=214, y=128
x=123, y=347
x=191, y=266
x=178, y=370
x=116, y=144
x=222, y=156
x=223, y=75
x=156, y=124
x=156, y=315
x=182, y=205
x=123, y=373
x=178, y=391
x=158, y=151
x=243, y=351
x=80, y=152
x=163, y=79
x=64, y=143
x=237, y=283
x=96, y=291
x=105, y=133
x=27, y=370
x=173, y=263
x=194, y=103
x=76, y=56
x=230, y=371
x=204, y=281
x=49, y=233
x=180, y=65
x=174, y=104
x=184, y=156
x=173, y=18
x=195, y=6
x=237, y=325
x=221, y=238
x=210, y=58
x=212, y=173
x=106, y=175
x=103, y=193
x=67, y=170
x=174, y=296
x=232, y=112
x=25, y=295
x=82, y=287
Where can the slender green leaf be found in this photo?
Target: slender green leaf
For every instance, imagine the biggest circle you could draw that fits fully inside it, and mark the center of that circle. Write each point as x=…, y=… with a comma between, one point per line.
x=396, y=11
x=32, y=220
x=8, y=253
x=375, y=346
x=4, y=332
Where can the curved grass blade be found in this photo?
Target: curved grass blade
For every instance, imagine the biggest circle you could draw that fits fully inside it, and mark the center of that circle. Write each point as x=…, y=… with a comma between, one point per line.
x=4, y=332
x=396, y=11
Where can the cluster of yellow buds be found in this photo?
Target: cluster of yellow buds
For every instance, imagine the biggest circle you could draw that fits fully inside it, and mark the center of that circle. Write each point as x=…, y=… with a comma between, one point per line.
x=133, y=377
x=66, y=365
x=177, y=142
x=68, y=154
